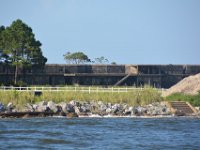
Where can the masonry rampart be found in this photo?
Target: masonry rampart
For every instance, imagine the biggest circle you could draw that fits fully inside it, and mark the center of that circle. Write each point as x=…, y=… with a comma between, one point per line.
x=162, y=76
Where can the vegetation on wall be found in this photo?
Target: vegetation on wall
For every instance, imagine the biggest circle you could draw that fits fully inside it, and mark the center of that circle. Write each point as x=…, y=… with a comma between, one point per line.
x=76, y=58
x=101, y=60
x=82, y=58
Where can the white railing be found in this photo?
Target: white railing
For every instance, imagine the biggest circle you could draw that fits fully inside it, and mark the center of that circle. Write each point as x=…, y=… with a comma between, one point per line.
x=87, y=89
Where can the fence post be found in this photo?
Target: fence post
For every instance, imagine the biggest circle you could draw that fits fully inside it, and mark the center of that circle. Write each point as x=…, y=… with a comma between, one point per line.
x=89, y=89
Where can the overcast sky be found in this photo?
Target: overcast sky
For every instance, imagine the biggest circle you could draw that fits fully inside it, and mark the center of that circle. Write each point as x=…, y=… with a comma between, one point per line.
x=124, y=31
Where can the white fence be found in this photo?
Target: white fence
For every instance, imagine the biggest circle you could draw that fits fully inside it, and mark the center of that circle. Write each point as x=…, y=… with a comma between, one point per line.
x=87, y=89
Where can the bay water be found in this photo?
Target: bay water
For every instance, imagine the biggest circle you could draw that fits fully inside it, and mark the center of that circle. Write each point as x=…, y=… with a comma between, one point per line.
x=100, y=133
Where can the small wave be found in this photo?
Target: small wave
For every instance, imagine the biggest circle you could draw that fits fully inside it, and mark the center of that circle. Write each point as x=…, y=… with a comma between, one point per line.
x=55, y=141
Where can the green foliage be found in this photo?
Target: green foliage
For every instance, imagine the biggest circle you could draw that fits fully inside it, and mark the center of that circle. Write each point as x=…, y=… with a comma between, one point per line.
x=113, y=63
x=76, y=58
x=19, y=47
x=192, y=99
x=101, y=60
x=134, y=98
x=19, y=99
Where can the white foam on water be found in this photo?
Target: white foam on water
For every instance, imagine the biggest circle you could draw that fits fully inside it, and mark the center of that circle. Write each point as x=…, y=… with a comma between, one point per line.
x=91, y=116
x=114, y=116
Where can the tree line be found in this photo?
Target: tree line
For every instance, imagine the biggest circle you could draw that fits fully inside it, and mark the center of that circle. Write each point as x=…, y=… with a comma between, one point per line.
x=82, y=58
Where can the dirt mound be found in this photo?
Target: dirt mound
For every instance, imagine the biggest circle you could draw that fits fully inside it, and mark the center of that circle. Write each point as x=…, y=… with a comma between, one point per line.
x=189, y=85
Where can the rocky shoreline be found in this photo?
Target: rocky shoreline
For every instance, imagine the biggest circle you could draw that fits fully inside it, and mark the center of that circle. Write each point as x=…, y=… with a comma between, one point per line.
x=84, y=109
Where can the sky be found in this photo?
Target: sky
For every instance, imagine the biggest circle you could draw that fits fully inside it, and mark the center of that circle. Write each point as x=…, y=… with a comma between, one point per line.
x=123, y=31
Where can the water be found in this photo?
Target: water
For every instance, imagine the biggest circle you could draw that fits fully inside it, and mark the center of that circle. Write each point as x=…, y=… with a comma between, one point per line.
x=100, y=133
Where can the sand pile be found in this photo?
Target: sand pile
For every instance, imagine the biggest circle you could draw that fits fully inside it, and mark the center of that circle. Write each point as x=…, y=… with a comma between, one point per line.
x=189, y=85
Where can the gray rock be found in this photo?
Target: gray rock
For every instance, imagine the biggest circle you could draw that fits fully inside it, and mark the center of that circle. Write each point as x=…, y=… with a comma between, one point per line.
x=141, y=110
x=77, y=110
x=157, y=108
x=10, y=107
x=74, y=103
x=70, y=108
x=134, y=111
x=102, y=108
x=108, y=110
x=115, y=108
x=29, y=108
x=63, y=106
x=86, y=107
x=42, y=107
x=52, y=106
x=83, y=109
x=35, y=106
x=128, y=111
x=2, y=107
x=67, y=108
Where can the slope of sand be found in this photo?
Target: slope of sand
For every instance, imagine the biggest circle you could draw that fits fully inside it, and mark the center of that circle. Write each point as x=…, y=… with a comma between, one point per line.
x=189, y=85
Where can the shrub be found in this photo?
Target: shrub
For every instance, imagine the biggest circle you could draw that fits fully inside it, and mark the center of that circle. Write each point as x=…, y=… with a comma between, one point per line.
x=192, y=99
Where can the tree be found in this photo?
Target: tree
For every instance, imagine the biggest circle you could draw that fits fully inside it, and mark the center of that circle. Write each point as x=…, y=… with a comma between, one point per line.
x=101, y=60
x=113, y=63
x=2, y=55
x=19, y=46
x=76, y=58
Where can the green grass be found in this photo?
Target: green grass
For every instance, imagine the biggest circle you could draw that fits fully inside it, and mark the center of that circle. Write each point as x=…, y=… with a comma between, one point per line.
x=192, y=99
x=134, y=98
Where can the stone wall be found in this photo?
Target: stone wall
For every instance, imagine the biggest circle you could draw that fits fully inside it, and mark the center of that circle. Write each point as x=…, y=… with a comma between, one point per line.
x=155, y=75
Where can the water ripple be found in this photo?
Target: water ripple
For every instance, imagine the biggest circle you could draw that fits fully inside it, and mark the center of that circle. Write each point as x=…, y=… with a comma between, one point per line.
x=100, y=133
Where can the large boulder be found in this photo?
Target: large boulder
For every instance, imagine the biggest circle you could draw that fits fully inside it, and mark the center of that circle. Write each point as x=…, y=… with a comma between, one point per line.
x=102, y=108
x=74, y=103
x=109, y=110
x=128, y=111
x=52, y=106
x=63, y=106
x=85, y=107
x=141, y=111
x=115, y=108
x=30, y=108
x=10, y=107
x=77, y=110
x=42, y=107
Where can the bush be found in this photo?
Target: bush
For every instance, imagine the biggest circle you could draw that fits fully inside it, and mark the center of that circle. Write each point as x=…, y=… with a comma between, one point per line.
x=192, y=99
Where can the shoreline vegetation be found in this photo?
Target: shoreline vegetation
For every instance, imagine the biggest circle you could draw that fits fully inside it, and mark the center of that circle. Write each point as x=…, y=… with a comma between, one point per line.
x=146, y=102
x=134, y=97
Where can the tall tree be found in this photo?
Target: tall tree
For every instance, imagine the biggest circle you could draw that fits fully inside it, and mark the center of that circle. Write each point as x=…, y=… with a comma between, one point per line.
x=2, y=28
x=19, y=44
x=76, y=58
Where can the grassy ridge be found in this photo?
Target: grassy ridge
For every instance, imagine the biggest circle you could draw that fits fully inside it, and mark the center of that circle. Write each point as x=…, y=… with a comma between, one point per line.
x=146, y=96
x=192, y=99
